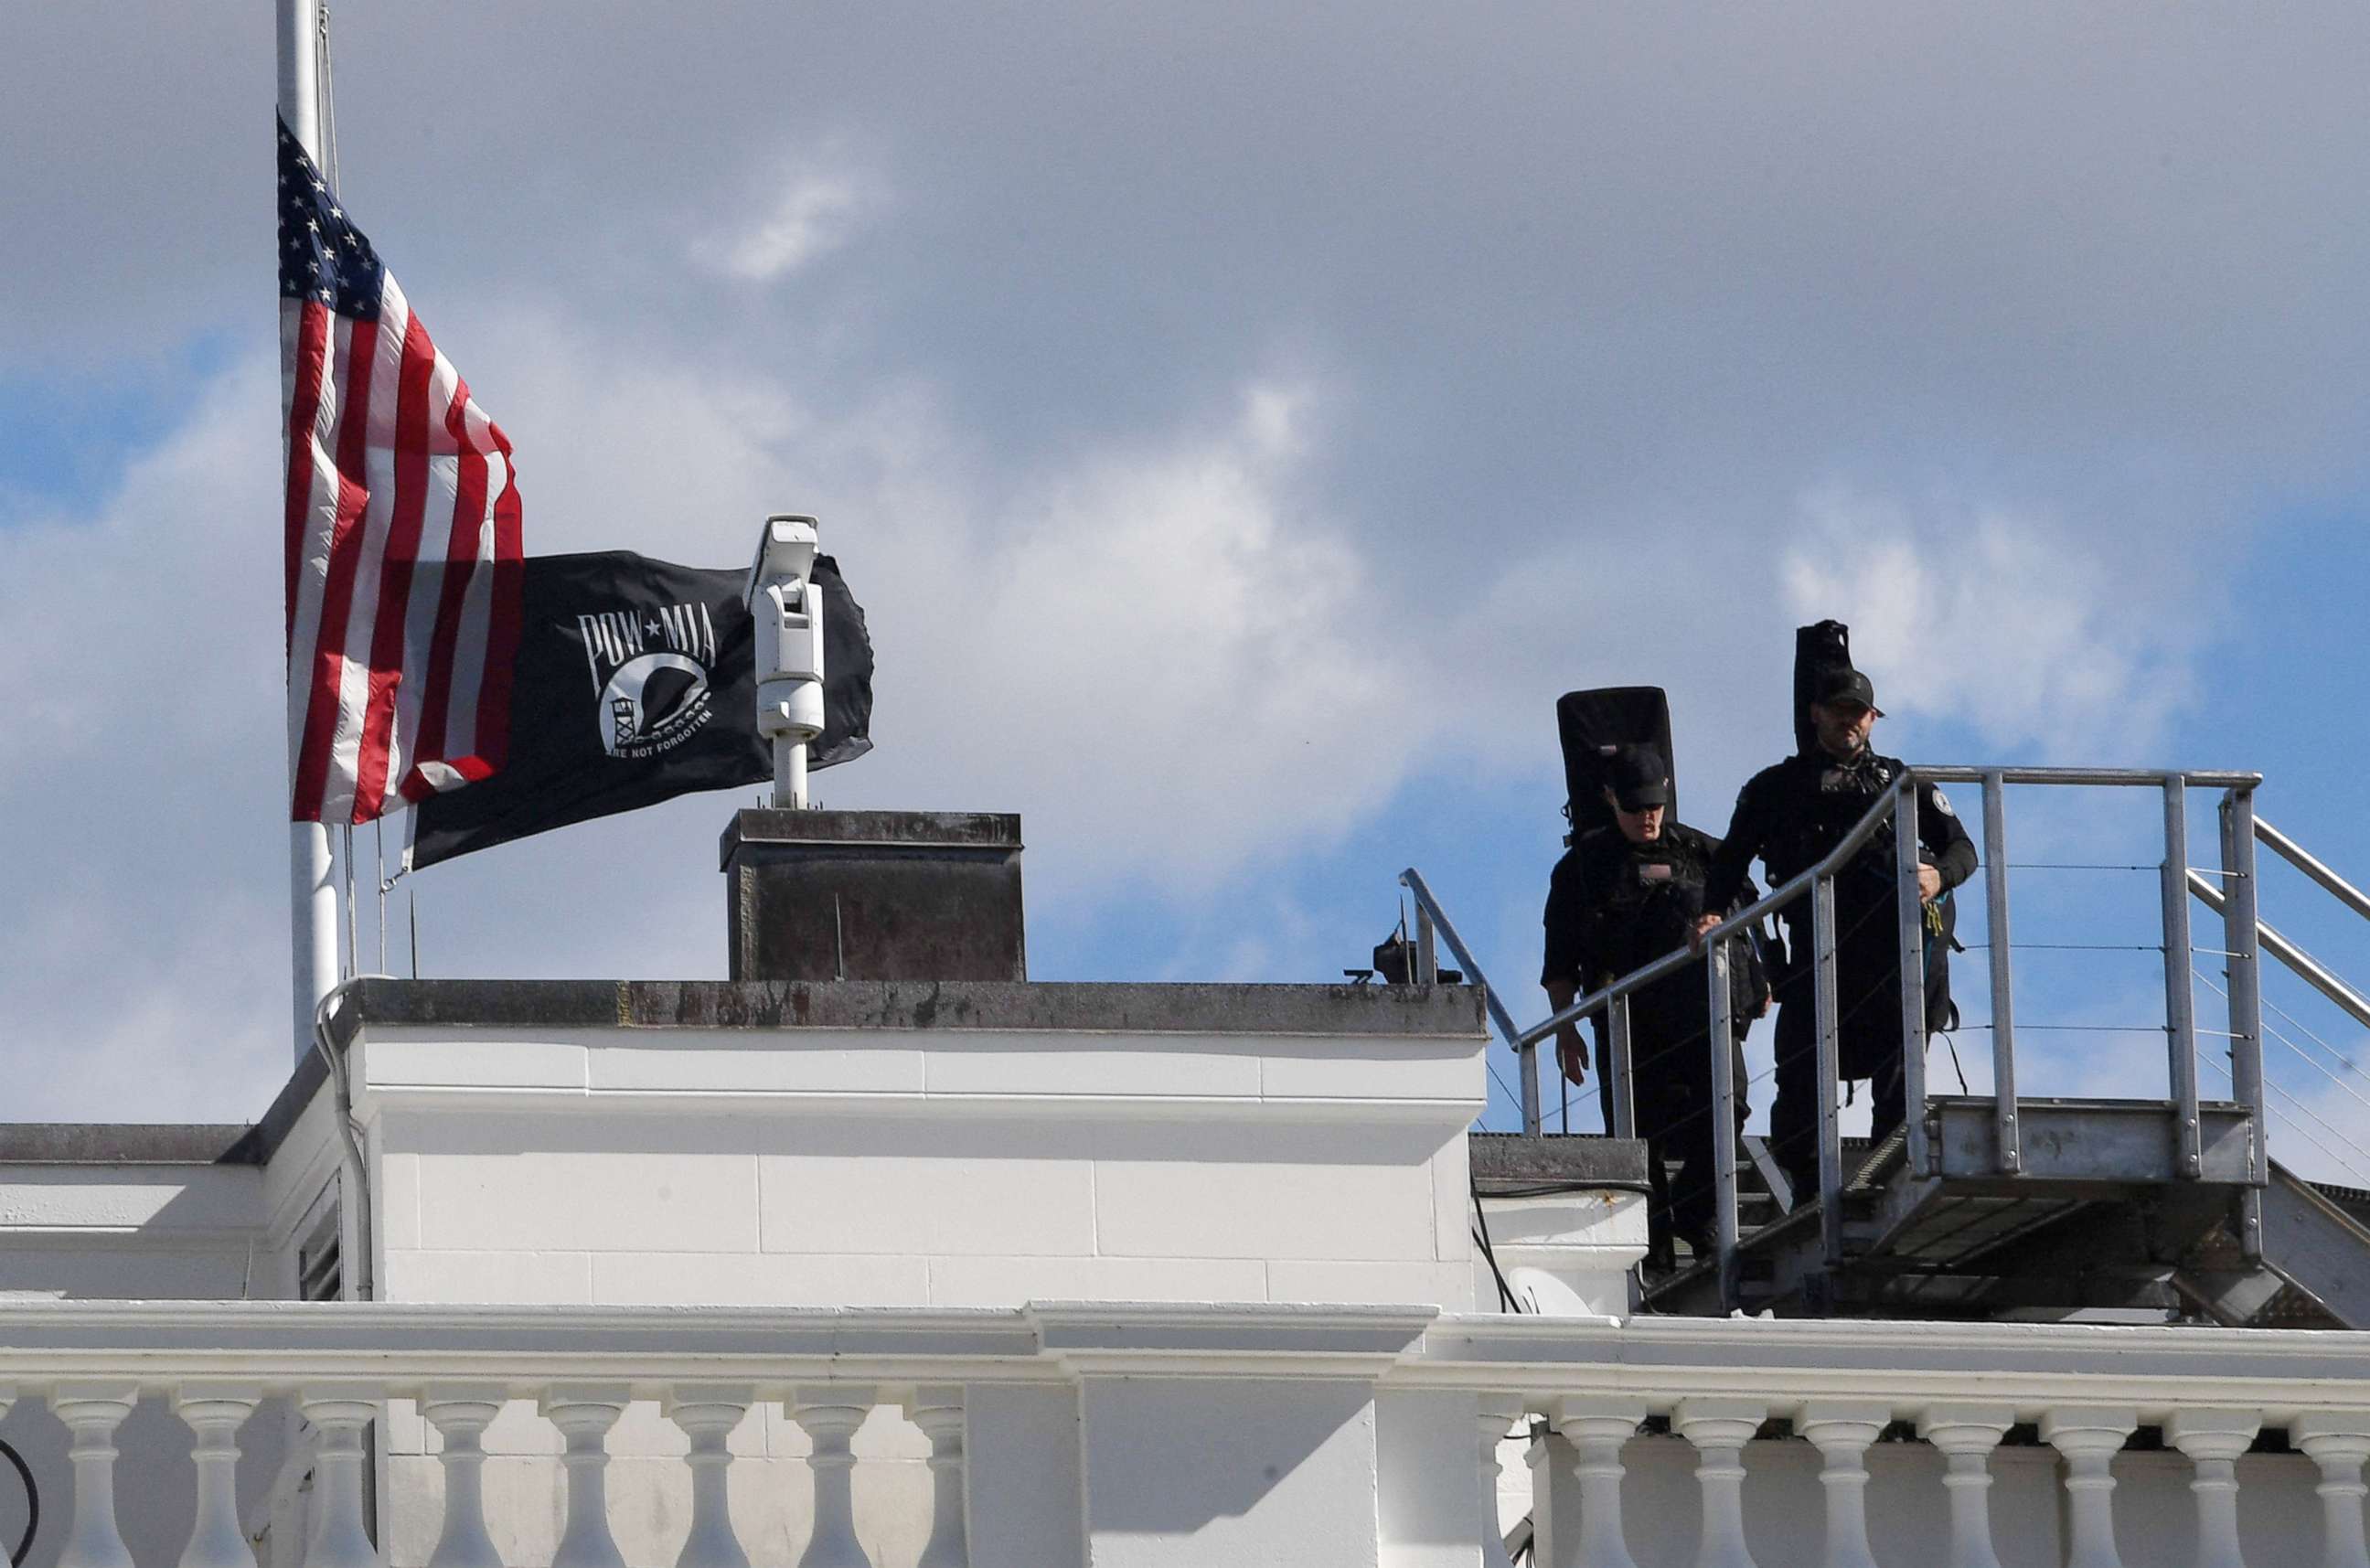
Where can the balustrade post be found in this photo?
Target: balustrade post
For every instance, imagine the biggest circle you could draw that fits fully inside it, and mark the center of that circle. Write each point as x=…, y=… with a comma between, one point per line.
x=708, y=1414
x=584, y=1415
x=1966, y=1435
x=92, y=1414
x=1842, y=1434
x=1719, y=1429
x=1495, y=1418
x=461, y=1416
x=1596, y=1429
x=339, y=1414
x=2214, y=1439
x=938, y=1413
x=2089, y=1439
x=830, y=1416
x=2338, y=1442
x=217, y=1540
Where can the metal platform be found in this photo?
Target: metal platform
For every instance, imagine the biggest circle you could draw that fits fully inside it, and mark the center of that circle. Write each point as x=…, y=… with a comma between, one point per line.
x=1999, y=1204
x=2100, y=1216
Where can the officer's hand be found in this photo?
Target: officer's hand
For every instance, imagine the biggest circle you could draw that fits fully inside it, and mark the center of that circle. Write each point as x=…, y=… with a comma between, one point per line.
x=1695, y=938
x=1572, y=1053
x=1929, y=884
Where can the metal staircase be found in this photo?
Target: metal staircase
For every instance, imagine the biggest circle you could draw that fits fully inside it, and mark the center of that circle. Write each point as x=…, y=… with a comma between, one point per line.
x=1987, y=1204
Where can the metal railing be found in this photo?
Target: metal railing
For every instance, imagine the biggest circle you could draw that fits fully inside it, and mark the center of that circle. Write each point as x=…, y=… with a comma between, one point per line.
x=2302, y=963
x=2240, y=902
x=2238, y=835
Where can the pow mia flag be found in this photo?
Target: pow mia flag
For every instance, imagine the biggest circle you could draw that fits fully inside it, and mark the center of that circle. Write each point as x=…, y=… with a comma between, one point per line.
x=636, y=682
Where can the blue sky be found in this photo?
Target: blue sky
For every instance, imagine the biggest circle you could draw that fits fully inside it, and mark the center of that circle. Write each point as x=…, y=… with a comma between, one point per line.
x=1241, y=423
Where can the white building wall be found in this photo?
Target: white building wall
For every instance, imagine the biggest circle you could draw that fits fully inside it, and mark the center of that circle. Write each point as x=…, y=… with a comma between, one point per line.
x=170, y=1231
x=886, y=1166
x=939, y=1168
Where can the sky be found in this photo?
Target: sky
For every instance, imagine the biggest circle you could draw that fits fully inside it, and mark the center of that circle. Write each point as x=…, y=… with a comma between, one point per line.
x=1240, y=422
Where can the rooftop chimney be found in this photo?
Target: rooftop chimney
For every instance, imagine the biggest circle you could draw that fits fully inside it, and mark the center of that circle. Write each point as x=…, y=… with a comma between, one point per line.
x=874, y=895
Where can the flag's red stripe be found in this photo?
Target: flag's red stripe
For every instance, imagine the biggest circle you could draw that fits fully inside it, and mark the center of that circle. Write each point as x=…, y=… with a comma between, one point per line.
x=337, y=592
x=505, y=620
x=304, y=408
x=460, y=560
x=401, y=553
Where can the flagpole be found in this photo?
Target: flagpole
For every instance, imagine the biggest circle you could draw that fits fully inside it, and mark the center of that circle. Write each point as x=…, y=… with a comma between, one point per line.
x=312, y=890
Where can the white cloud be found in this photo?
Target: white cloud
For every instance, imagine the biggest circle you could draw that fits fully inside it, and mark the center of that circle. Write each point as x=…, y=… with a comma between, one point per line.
x=820, y=204
x=1200, y=665
x=141, y=792
x=2036, y=630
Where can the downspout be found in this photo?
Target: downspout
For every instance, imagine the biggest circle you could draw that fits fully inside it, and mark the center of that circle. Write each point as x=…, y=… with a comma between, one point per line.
x=355, y=1170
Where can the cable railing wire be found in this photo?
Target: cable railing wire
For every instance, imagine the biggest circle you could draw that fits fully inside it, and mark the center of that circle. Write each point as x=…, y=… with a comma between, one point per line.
x=2301, y=1054
x=2297, y=1128
x=2068, y=947
x=2314, y=1063
x=2347, y=1061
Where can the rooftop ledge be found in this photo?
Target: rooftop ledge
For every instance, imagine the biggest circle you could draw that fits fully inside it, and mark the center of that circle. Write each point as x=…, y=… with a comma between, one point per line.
x=1025, y=1007
x=1431, y=1034
x=932, y=1049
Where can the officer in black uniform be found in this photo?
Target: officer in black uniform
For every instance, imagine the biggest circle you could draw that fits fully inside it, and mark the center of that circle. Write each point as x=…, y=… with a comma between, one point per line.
x=1621, y=897
x=1792, y=815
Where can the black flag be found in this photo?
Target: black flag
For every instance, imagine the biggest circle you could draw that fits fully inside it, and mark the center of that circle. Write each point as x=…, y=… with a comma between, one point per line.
x=636, y=682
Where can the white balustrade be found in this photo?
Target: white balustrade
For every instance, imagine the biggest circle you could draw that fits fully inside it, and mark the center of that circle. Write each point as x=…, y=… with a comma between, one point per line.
x=1719, y=1429
x=1842, y=1433
x=584, y=1415
x=830, y=1416
x=92, y=1414
x=1596, y=1429
x=996, y=1464
x=339, y=1413
x=1966, y=1435
x=215, y=1415
x=2090, y=1437
x=708, y=1414
x=460, y=1415
x=1496, y=1418
x=938, y=1413
x=2338, y=1442
x=2214, y=1437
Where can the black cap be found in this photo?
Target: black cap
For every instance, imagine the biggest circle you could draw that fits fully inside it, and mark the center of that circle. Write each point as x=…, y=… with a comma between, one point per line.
x=1848, y=686
x=1638, y=778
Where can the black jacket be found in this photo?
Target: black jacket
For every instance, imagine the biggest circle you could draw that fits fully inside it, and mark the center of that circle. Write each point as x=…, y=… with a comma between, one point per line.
x=1613, y=907
x=1792, y=815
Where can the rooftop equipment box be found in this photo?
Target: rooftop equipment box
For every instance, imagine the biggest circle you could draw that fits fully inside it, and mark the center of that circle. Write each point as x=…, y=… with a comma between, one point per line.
x=874, y=895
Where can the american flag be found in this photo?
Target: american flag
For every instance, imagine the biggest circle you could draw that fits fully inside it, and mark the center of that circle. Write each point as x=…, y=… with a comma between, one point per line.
x=403, y=532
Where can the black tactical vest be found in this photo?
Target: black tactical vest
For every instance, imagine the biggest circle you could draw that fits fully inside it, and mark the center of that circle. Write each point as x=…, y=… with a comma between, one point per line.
x=1643, y=898
x=1823, y=800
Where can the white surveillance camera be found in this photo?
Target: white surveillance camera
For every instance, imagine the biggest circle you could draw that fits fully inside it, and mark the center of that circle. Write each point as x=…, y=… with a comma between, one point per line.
x=785, y=551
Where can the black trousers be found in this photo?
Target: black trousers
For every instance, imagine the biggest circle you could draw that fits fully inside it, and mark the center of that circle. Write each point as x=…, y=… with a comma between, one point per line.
x=1672, y=1087
x=1867, y=1000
